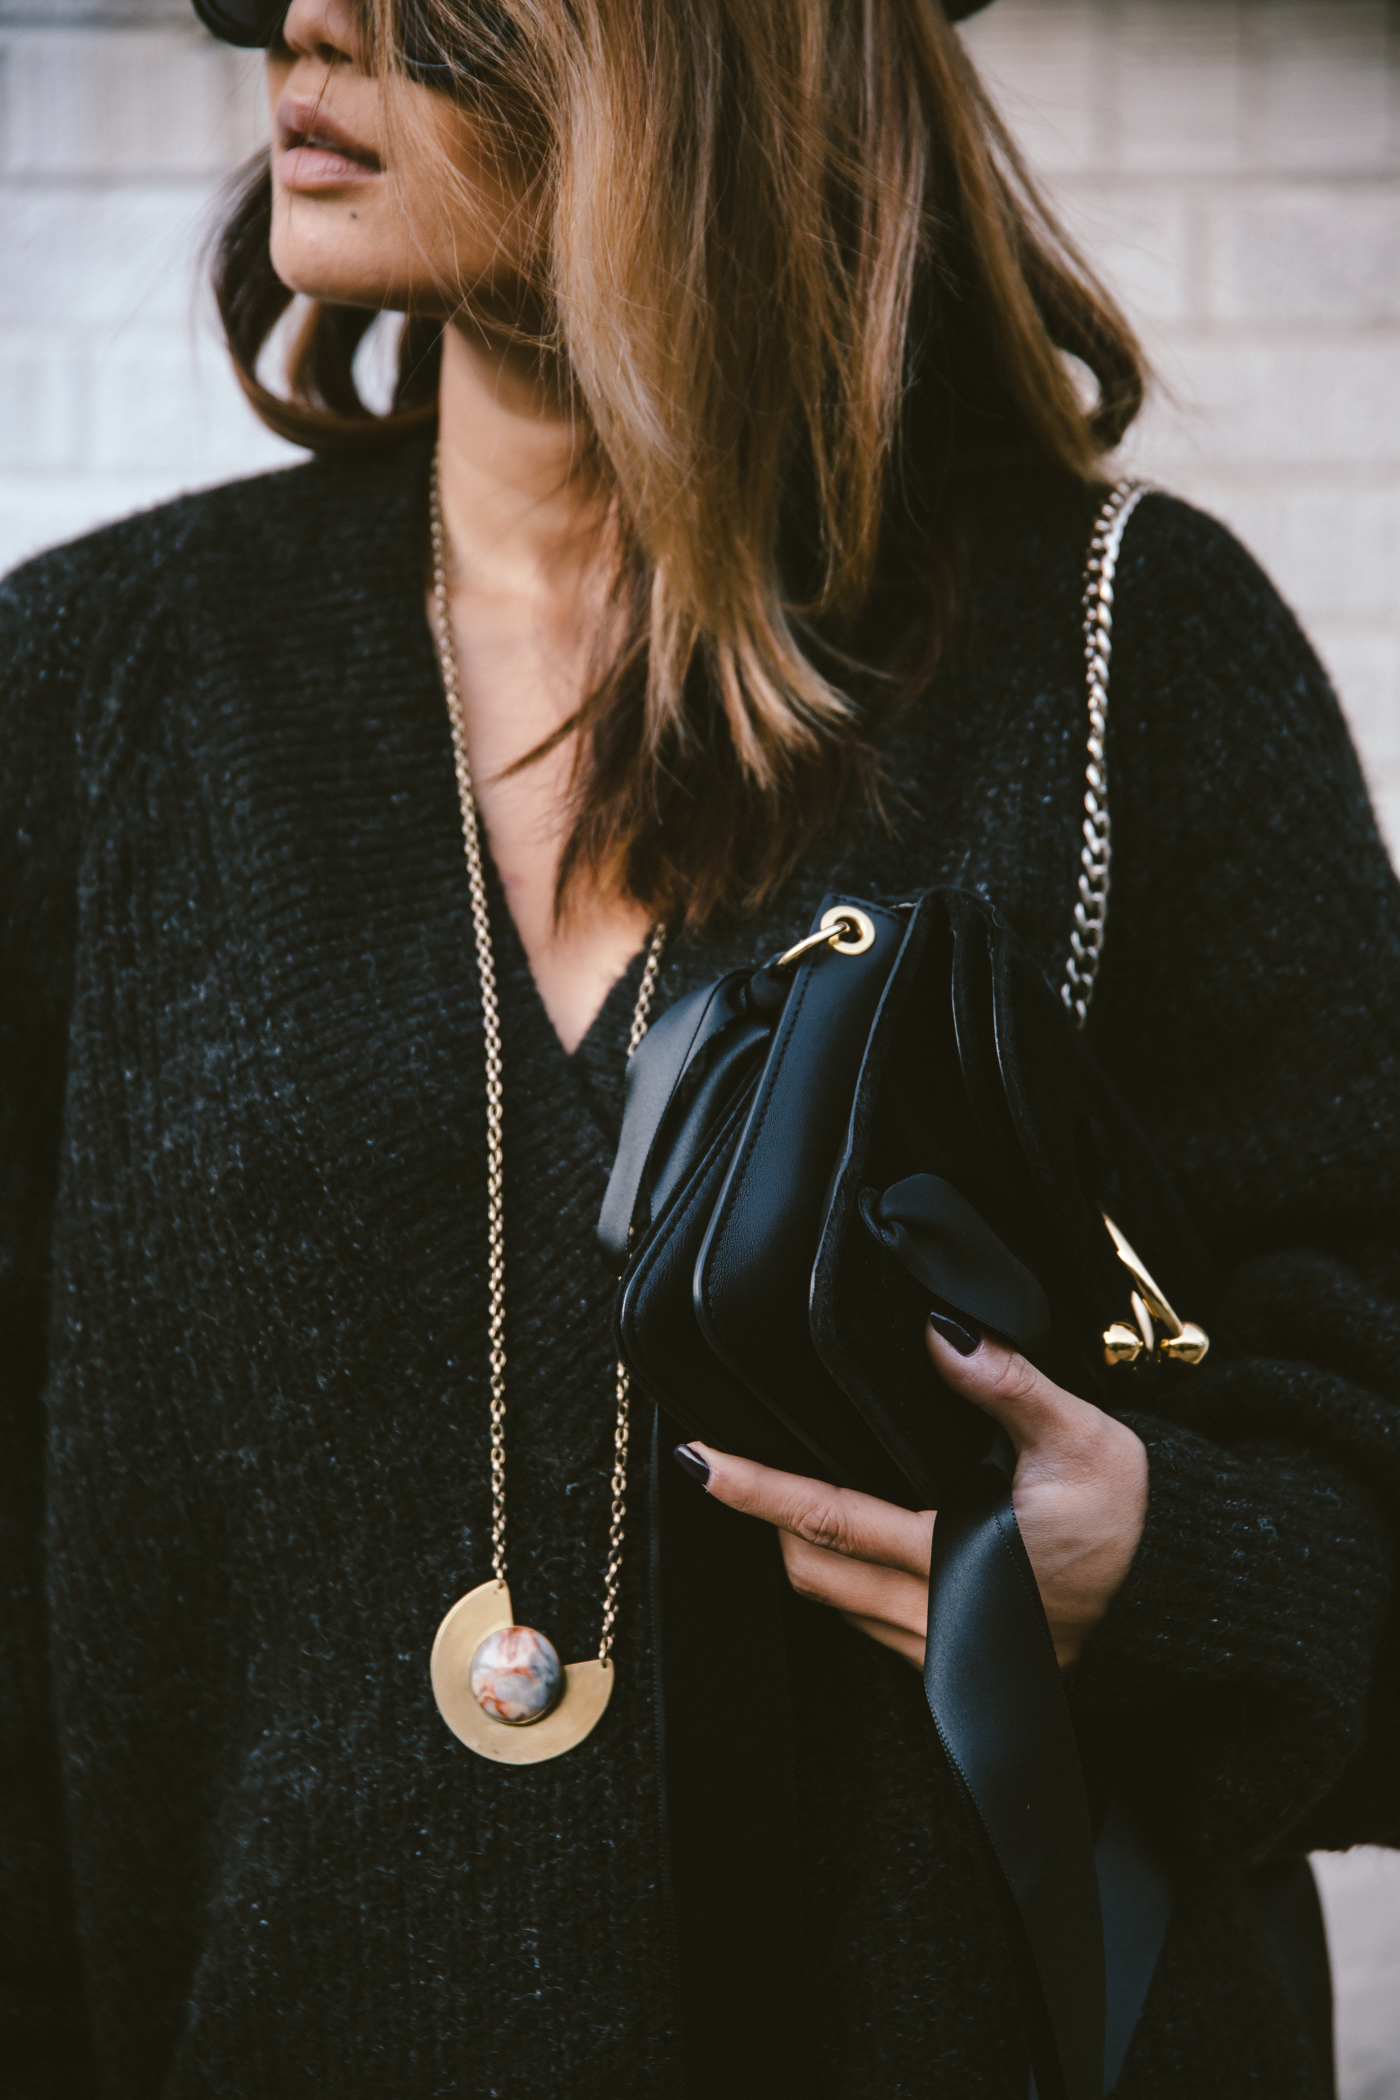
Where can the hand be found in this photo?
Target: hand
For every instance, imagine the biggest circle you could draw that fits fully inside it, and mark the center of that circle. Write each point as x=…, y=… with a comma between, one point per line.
x=1080, y=1496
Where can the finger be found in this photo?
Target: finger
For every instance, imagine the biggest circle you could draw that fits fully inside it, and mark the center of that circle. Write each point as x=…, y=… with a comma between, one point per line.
x=909, y=1645
x=1029, y=1406
x=861, y=1587
x=839, y=1519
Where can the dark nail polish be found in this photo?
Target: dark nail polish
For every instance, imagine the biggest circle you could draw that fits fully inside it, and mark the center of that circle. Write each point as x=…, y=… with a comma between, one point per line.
x=962, y=1338
x=692, y=1463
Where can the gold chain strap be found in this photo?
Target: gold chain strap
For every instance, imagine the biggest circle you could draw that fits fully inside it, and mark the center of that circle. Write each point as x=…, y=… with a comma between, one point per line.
x=495, y=1161
x=1096, y=854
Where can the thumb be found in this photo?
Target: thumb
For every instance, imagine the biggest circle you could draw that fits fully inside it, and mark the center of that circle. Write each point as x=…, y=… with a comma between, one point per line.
x=1030, y=1407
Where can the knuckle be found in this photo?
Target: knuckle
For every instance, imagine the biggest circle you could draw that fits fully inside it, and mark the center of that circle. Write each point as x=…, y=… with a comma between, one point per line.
x=822, y=1524
x=802, y=1580
x=1017, y=1380
x=806, y=1573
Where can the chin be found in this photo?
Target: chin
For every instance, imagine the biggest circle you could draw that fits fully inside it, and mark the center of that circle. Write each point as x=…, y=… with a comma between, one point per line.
x=321, y=263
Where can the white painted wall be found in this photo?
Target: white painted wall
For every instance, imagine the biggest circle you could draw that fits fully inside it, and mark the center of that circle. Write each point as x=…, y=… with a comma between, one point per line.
x=117, y=124
x=1232, y=167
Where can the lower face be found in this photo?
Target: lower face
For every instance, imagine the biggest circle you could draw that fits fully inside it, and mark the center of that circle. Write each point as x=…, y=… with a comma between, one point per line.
x=358, y=213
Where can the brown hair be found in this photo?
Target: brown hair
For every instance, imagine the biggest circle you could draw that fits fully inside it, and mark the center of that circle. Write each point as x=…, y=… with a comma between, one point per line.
x=806, y=292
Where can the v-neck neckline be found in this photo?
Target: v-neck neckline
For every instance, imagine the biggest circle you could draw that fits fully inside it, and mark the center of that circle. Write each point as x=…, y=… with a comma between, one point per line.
x=590, y=1077
x=609, y=1024
x=502, y=919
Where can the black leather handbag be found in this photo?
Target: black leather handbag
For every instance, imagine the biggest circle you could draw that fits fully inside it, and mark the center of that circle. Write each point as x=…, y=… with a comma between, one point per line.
x=896, y=1115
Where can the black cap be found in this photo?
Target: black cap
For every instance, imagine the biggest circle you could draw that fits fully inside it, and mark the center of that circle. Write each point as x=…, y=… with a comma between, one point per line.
x=254, y=23
x=251, y=23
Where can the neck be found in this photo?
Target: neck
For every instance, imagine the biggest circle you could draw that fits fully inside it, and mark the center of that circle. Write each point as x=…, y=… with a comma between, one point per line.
x=521, y=510
x=529, y=606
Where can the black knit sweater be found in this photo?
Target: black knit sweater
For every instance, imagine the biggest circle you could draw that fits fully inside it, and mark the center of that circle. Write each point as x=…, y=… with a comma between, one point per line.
x=244, y=1350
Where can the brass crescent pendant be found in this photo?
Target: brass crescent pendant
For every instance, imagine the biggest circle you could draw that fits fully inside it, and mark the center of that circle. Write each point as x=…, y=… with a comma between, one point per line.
x=587, y=1687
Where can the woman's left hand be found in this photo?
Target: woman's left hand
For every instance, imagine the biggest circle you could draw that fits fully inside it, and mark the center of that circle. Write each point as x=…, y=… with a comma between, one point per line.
x=1080, y=1496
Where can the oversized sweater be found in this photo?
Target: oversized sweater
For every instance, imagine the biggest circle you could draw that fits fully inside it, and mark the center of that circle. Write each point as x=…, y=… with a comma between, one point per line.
x=245, y=1358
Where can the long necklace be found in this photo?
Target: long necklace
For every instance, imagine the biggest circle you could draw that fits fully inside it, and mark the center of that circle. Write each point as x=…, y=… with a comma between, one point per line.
x=499, y=1686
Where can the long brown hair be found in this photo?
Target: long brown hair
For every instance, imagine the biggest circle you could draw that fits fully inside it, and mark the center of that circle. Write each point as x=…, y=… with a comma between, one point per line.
x=805, y=292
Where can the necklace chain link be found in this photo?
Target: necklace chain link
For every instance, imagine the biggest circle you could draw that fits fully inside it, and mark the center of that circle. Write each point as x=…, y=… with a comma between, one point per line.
x=495, y=1151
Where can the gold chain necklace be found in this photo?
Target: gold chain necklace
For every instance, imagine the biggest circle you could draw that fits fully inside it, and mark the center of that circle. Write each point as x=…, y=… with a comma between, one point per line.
x=500, y=1686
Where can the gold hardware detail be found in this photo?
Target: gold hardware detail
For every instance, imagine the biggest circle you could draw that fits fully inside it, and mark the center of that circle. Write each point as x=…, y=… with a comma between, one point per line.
x=1144, y=1322
x=1121, y=1344
x=1189, y=1346
x=1096, y=854
x=587, y=1686
x=1182, y=1341
x=843, y=929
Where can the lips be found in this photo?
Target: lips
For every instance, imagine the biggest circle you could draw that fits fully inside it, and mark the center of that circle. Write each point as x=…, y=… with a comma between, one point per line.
x=316, y=152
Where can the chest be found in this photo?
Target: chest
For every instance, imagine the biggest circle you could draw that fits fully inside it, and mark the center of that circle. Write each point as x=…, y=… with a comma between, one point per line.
x=274, y=1078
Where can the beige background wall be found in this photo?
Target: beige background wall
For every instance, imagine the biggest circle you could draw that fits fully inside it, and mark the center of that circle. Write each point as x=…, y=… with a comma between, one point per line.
x=1233, y=169
x=1231, y=166
x=117, y=120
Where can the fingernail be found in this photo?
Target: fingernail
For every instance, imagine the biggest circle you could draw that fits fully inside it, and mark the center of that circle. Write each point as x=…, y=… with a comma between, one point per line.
x=692, y=1463
x=962, y=1338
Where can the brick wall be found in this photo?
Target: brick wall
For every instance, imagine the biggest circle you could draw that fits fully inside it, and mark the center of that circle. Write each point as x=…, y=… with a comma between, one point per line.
x=1231, y=166
x=117, y=122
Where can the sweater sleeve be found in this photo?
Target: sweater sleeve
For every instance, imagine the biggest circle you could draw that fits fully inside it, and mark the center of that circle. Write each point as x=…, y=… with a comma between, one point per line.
x=42, y=2037
x=1250, y=1012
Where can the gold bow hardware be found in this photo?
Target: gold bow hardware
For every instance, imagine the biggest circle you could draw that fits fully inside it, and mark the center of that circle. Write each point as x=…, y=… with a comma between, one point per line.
x=1182, y=1341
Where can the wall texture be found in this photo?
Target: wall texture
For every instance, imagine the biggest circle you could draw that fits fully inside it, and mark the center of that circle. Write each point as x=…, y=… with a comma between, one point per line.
x=117, y=122
x=1232, y=168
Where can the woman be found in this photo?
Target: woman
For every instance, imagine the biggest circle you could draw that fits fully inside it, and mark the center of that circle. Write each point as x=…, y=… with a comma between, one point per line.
x=765, y=486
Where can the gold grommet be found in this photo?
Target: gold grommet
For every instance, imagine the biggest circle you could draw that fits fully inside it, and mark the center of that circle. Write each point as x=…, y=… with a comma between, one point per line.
x=847, y=915
x=843, y=928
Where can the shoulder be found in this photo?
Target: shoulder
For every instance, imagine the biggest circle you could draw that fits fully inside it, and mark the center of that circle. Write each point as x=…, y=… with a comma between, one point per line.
x=1041, y=523
x=146, y=556
x=1243, y=833
x=1183, y=580
x=1034, y=531
x=87, y=628
x=1216, y=687
x=1183, y=574
x=1210, y=667
x=130, y=640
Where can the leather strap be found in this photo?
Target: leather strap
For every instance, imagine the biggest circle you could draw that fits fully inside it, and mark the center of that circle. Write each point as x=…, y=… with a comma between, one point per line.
x=994, y=1691
x=1135, y=1898
x=734, y=1914
x=731, y=1861
x=949, y=1247
x=653, y=1074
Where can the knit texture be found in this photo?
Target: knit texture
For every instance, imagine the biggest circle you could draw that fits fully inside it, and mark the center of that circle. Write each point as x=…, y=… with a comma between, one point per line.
x=244, y=1351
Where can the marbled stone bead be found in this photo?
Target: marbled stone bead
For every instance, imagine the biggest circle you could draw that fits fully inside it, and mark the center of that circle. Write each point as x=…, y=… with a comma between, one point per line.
x=515, y=1675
